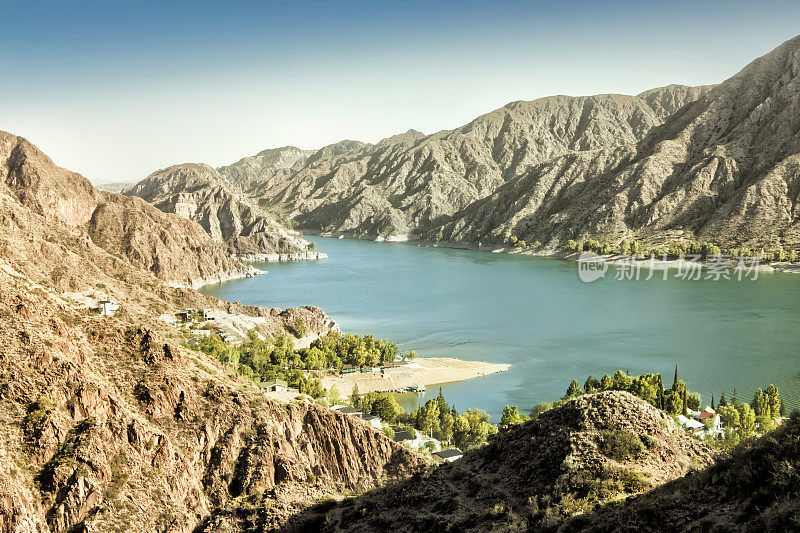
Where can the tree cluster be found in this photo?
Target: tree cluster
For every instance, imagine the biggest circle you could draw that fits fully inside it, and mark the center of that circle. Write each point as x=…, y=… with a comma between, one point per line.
x=442, y=421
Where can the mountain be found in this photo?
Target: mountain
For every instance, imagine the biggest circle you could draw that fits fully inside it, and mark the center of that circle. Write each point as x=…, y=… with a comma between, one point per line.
x=110, y=423
x=199, y=193
x=724, y=169
x=411, y=183
x=676, y=163
x=265, y=165
x=571, y=459
x=170, y=247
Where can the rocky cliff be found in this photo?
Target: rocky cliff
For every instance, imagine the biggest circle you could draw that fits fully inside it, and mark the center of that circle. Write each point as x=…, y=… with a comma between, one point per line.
x=171, y=247
x=107, y=426
x=199, y=193
x=108, y=423
x=529, y=477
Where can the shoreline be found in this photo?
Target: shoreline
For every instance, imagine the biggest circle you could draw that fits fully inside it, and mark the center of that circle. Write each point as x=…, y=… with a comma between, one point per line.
x=281, y=258
x=198, y=283
x=249, y=270
x=617, y=260
x=423, y=371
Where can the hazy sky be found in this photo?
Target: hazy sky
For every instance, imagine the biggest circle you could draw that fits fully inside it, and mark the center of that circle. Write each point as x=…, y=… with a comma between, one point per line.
x=115, y=90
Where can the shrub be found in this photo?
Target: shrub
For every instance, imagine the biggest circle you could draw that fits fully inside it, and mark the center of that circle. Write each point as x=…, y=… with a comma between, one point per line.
x=621, y=445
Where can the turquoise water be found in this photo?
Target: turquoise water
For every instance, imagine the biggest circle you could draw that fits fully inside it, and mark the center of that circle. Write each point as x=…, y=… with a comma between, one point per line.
x=537, y=315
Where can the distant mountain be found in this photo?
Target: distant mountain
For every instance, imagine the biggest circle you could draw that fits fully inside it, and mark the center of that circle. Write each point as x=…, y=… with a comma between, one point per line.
x=724, y=168
x=115, y=187
x=412, y=183
x=198, y=192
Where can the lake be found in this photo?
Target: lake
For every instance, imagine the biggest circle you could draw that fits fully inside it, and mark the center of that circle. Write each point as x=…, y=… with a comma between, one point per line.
x=536, y=314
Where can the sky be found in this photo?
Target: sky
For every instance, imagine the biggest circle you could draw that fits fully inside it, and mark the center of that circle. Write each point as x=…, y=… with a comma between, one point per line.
x=117, y=90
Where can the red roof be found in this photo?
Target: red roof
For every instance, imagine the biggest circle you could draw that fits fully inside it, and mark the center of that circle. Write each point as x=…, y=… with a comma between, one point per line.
x=706, y=414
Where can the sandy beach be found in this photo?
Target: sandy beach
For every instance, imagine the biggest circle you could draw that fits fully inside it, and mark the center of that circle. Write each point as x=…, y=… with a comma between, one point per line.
x=423, y=370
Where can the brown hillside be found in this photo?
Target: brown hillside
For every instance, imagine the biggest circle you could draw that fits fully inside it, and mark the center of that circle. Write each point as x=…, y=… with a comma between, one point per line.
x=532, y=475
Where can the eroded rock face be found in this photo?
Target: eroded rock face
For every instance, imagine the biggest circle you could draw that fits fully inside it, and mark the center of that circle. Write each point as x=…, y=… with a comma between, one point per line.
x=170, y=247
x=724, y=168
x=124, y=429
x=199, y=193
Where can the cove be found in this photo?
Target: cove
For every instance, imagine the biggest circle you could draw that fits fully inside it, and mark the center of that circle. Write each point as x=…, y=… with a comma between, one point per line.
x=536, y=314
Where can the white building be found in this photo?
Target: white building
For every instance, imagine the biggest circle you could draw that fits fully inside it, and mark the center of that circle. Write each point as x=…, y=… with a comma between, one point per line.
x=107, y=307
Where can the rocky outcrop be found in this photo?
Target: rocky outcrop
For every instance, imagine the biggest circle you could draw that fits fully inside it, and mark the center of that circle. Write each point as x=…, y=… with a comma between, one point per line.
x=170, y=247
x=199, y=193
x=530, y=476
x=754, y=488
x=110, y=426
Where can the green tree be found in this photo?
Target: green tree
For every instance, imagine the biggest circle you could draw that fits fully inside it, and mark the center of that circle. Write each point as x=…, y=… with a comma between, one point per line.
x=729, y=416
x=430, y=417
x=773, y=401
x=747, y=420
x=511, y=416
x=354, y=397
x=622, y=381
x=591, y=384
x=722, y=400
x=760, y=405
x=693, y=401
x=385, y=407
x=540, y=408
x=645, y=390
x=673, y=402
x=574, y=389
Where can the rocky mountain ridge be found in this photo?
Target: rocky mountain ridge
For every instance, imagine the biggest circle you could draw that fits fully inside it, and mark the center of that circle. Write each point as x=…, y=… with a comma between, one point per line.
x=722, y=169
x=409, y=183
x=170, y=247
x=530, y=476
x=199, y=193
x=676, y=163
x=109, y=423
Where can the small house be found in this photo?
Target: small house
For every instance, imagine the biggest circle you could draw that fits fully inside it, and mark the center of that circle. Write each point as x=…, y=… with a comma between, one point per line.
x=350, y=411
x=447, y=456
x=107, y=307
x=276, y=385
x=400, y=436
x=690, y=424
x=389, y=367
x=372, y=420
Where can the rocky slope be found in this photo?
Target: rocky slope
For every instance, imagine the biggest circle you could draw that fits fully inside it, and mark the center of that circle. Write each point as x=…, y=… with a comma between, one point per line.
x=171, y=247
x=108, y=427
x=723, y=169
x=754, y=489
x=411, y=182
x=199, y=193
x=531, y=476
x=107, y=423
